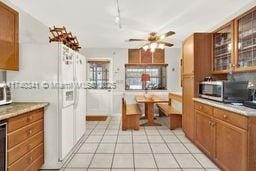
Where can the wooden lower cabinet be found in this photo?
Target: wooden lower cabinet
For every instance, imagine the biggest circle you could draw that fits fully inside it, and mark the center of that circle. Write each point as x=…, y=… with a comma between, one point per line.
x=230, y=144
x=225, y=138
x=25, y=141
x=204, y=132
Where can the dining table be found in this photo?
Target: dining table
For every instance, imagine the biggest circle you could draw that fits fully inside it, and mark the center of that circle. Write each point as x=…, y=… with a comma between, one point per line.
x=149, y=107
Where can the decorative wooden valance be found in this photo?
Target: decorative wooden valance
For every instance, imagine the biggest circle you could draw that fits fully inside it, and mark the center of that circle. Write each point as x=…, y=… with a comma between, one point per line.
x=61, y=35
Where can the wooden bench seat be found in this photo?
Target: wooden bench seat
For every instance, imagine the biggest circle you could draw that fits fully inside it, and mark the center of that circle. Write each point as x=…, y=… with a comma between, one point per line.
x=131, y=114
x=174, y=115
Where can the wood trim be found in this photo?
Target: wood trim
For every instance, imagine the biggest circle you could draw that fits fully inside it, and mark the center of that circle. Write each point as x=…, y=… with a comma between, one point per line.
x=176, y=97
x=96, y=118
x=146, y=65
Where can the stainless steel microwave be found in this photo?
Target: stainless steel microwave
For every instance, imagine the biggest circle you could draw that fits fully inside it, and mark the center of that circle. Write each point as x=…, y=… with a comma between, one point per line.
x=224, y=91
x=5, y=94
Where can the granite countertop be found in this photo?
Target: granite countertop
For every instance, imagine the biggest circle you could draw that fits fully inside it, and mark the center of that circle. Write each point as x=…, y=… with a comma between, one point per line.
x=17, y=108
x=242, y=110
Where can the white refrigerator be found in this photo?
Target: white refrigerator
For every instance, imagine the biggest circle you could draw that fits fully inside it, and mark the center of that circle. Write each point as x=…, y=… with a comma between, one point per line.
x=56, y=73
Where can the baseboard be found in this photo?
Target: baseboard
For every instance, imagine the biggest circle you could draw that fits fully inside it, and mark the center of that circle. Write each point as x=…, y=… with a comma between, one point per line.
x=96, y=118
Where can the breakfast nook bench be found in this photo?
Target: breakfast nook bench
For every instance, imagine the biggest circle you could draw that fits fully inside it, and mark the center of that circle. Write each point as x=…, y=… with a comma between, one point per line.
x=131, y=114
x=174, y=115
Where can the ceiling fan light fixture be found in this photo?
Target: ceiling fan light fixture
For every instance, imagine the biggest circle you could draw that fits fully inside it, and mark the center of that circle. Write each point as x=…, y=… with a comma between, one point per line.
x=152, y=50
x=161, y=46
x=162, y=37
x=153, y=45
x=145, y=47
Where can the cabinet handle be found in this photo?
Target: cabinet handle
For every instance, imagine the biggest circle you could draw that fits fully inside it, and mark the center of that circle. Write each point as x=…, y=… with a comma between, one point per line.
x=210, y=123
x=30, y=118
x=225, y=116
x=30, y=132
x=29, y=146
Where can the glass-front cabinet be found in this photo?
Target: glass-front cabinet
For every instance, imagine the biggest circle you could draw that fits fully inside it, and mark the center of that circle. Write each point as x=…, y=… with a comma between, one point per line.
x=223, y=48
x=246, y=41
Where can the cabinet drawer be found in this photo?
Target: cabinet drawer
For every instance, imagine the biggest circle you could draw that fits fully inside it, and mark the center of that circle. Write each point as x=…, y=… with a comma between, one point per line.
x=204, y=108
x=21, y=135
x=36, y=165
x=20, y=150
x=35, y=115
x=230, y=117
x=27, y=161
x=24, y=119
x=17, y=122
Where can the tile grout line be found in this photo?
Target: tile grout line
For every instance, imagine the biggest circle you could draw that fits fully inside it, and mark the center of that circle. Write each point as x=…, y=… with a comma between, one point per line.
x=111, y=167
x=98, y=145
x=151, y=149
x=73, y=154
x=170, y=149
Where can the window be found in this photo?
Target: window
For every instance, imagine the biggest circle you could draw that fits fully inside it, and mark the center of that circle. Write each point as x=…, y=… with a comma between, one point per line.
x=98, y=74
x=157, y=77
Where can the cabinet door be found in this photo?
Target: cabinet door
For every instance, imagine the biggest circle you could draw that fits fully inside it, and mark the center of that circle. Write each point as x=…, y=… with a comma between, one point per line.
x=146, y=57
x=158, y=56
x=223, y=49
x=9, y=57
x=230, y=144
x=188, y=109
x=134, y=56
x=204, y=132
x=246, y=41
x=188, y=55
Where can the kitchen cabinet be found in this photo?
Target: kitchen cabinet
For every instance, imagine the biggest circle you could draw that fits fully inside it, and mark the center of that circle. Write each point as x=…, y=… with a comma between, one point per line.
x=230, y=144
x=25, y=141
x=204, y=131
x=234, y=45
x=158, y=56
x=9, y=46
x=187, y=103
x=196, y=64
x=134, y=56
x=226, y=137
x=140, y=56
x=223, y=49
x=245, y=39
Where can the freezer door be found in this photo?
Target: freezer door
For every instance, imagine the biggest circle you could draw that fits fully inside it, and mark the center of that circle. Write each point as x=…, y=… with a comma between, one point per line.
x=80, y=97
x=67, y=57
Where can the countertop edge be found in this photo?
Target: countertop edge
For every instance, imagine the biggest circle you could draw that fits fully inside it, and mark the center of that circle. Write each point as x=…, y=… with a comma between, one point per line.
x=35, y=106
x=249, y=112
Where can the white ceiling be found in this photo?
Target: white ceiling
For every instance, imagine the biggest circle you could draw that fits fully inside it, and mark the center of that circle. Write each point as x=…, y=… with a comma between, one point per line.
x=93, y=21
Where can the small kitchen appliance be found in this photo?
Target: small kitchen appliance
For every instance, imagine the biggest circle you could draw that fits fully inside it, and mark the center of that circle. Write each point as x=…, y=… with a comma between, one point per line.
x=224, y=91
x=5, y=94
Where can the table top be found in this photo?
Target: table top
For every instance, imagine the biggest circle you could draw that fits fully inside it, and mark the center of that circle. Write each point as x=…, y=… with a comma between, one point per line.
x=153, y=99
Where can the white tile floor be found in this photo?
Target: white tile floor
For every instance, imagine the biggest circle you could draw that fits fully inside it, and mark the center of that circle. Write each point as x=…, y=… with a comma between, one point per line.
x=107, y=148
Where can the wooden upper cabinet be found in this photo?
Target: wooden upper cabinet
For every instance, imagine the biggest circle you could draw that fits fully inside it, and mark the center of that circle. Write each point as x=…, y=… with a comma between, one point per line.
x=223, y=51
x=158, y=56
x=245, y=41
x=146, y=57
x=188, y=55
x=134, y=56
x=140, y=56
x=9, y=46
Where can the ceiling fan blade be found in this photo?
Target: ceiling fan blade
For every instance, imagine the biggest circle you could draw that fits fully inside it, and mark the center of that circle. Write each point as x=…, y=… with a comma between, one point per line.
x=170, y=33
x=135, y=40
x=167, y=44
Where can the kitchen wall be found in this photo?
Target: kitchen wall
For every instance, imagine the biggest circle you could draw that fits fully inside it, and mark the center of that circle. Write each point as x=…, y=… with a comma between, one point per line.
x=119, y=57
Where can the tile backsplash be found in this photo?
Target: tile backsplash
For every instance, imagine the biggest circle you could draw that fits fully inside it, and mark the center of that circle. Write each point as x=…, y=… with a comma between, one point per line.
x=2, y=76
x=243, y=76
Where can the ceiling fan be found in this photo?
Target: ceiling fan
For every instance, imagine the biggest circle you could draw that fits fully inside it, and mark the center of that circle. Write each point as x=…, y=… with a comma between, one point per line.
x=154, y=41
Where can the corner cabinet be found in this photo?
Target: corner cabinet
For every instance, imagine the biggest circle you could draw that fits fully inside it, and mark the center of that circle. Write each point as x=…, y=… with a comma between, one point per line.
x=222, y=52
x=9, y=38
